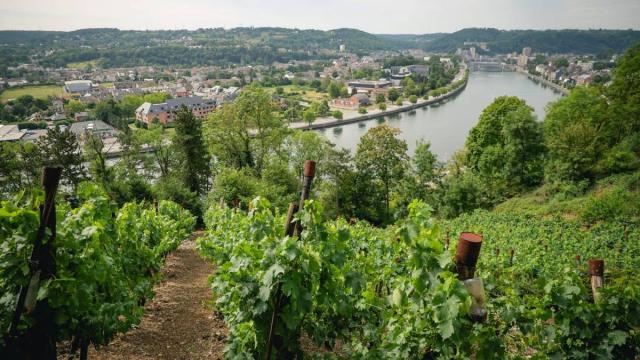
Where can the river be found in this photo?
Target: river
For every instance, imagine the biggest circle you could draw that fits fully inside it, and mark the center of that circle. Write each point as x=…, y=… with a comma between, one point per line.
x=446, y=125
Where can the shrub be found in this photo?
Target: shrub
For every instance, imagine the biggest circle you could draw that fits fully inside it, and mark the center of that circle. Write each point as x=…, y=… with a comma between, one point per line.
x=400, y=101
x=413, y=99
x=337, y=114
x=362, y=110
x=613, y=204
x=382, y=106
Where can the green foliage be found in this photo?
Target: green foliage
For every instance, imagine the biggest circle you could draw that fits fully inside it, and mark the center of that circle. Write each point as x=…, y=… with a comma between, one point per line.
x=578, y=130
x=107, y=261
x=413, y=99
x=505, y=149
x=243, y=133
x=74, y=106
x=393, y=293
x=393, y=94
x=381, y=158
x=60, y=148
x=362, y=110
x=382, y=106
x=337, y=114
x=193, y=159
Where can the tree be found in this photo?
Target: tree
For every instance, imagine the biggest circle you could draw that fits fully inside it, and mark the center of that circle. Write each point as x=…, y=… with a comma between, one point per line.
x=578, y=130
x=393, y=95
x=382, y=158
x=382, y=106
x=309, y=116
x=337, y=114
x=162, y=155
x=60, y=148
x=380, y=98
x=336, y=89
x=243, y=133
x=193, y=159
x=96, y=158
x=561, y=62
x=506, y=147
x=74, y=107
x=625, y=91
x=20, y=167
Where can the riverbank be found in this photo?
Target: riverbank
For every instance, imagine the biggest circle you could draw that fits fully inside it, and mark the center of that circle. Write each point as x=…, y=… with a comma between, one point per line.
x=354, y=116
x=546, y=82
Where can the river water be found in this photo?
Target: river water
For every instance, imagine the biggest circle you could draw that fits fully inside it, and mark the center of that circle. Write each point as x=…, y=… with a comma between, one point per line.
x=446, y=125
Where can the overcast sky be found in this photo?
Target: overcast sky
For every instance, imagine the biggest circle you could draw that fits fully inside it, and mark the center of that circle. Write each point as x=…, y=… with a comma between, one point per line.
x=376, y=16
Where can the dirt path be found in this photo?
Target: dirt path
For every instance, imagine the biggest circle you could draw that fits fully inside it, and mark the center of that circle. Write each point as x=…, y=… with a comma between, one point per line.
x=178, y=323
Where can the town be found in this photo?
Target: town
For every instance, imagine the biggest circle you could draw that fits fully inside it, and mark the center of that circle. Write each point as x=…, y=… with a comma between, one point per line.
x=311, y=93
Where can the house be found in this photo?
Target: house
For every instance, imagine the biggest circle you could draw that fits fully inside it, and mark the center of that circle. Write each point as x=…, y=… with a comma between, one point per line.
x=81, y=116
x=78, y=86
x=10, y=133
x=57, y=116
x=351, y=103
x=585, y=79
x=97, y=127
x=166, y=112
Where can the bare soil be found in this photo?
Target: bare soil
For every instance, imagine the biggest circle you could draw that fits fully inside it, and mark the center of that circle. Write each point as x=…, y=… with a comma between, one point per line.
x=178, y=323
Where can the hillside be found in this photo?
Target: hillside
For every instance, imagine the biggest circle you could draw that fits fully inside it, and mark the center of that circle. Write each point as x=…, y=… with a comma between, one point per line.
x=217, y=46
x=549, y=41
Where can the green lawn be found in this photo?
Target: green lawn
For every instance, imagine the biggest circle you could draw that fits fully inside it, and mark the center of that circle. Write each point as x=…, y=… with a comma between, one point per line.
x=306, y=92
x=82, y=64
x=40, y=92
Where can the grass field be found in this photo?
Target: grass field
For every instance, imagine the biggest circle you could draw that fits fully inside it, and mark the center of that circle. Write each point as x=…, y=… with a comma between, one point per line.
x=307, y=93
x=82, y=64
x=40, y=92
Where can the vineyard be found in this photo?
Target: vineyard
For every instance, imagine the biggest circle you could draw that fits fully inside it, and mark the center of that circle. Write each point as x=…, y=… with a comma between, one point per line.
x=101, y=270
x=362, y=292
x=295, y=285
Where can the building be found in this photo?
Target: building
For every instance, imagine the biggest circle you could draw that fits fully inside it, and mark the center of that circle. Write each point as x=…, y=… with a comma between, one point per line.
x=96, y=127
x=166, y=112
x=81, y=116
x=523, y=60
x=368, y=87
x=343, y=48
x=10, y=133
x=351, y=103
x=585, y=79
x=526, y=51
x=77, y=86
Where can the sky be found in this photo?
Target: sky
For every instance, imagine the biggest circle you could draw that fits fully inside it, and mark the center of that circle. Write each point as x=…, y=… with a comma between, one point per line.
x=375, y=16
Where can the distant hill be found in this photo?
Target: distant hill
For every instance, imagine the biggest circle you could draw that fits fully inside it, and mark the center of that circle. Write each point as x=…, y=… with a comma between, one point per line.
x=218, y=46
x=548, y=41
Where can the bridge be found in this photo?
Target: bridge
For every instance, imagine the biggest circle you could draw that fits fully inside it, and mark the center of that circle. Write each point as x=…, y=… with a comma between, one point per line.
x=493, y=66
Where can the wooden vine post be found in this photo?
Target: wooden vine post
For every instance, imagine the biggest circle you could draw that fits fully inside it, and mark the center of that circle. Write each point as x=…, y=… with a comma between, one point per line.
x=467, y=254
x=596, y=270
x=290, y=229
x=39, y=341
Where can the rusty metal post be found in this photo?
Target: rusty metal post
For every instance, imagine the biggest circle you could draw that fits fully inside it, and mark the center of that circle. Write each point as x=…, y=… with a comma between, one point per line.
x=511, y=252
x=578, y=259
x=497, y=252
x=446, y=241
x=596, y=270
x=467, y=254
